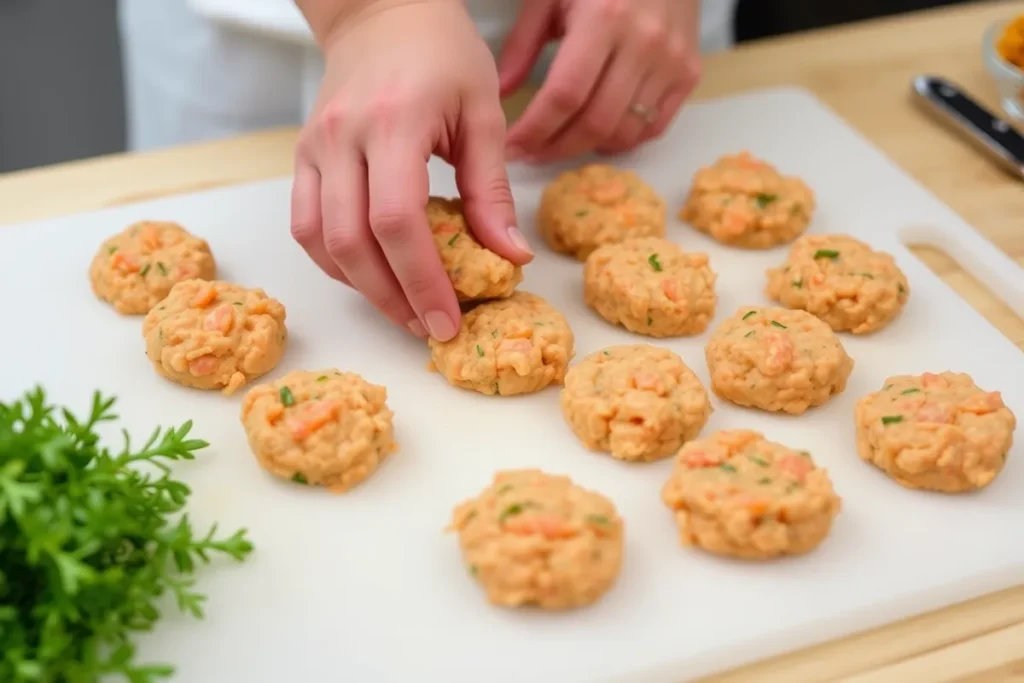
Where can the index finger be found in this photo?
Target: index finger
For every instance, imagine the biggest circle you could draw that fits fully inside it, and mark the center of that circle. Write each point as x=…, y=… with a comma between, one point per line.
x=571, y=81
x=399, y=187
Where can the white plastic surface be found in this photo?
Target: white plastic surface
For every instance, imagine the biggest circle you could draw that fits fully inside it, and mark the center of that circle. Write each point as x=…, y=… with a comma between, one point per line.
x=365, y=587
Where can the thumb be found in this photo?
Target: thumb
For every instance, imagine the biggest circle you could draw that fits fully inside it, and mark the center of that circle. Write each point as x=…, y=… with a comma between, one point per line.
x=524, y=43
x=483, y=185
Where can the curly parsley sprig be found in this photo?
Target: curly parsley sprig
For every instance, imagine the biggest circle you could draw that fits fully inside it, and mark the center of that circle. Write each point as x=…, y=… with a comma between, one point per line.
x=88, y=545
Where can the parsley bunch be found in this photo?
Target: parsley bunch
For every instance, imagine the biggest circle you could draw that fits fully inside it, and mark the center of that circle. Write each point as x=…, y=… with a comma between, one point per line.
x=87, y=546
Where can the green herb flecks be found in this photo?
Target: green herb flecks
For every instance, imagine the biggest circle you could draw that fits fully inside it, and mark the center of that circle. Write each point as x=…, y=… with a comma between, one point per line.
x=750, y=334
x=911, y=390
x=762, y=200
x=479, y=351
x=868, y=276
x=759, y=461
x=451, y=242
x=650, y=321
x=764, y=481
x=776, y=323
x=94, y=541
x=748, y=314
x=145, y=269
x=600, y=520
x=161, y=267
x=300, y=478
x=236, y=303
x=727, y=467
x=806, y=454
x=798, y=283
x=111, y=250
x=472, y=569
x=607, y=353
x=287, y=399
x=505, y=488
x=827, y=253
x=513, y=510
x=655, y=263
x=901, y=289
x=891, y=419
x=321, y=378
x=581, y=213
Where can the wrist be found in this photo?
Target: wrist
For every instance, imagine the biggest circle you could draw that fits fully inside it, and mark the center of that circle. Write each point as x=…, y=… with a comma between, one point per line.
x=328, y=19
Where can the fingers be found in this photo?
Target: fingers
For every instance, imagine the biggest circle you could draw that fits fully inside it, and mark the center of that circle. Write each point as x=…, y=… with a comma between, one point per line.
x=670, y=105
x=632, y=128
x=349, y=242
x=597, y=122
x=524, y=43
x=399, y=186
x=569, y=85
x=483, y=184
x=307, y=225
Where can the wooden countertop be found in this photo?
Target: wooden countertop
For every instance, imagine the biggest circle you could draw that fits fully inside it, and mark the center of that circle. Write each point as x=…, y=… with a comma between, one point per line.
x=864, y=73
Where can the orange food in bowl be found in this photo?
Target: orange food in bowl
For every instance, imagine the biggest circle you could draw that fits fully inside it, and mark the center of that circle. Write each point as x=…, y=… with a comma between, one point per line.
x=1011, y=42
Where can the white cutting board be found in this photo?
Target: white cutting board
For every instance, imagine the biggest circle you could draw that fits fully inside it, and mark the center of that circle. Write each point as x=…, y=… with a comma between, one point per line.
x=365, y=587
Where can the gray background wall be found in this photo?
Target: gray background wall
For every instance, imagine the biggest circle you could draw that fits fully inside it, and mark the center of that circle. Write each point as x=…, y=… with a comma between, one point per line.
x=60, y=81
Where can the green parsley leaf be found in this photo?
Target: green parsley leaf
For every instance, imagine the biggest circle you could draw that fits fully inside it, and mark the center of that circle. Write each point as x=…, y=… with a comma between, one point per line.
x=911, y=390
x=321, y=378
x=161, y=267
x=513, y=510
x=300, y=478
x=145, y=269
x=655, y=263
x=111, y=250
x=287, y=399
x=762, y=200
x=479, y=351
x=727, y=467
x=827, y=253
x=451, y=242
x=778, y=324
x=748, y=314
x=750, y=334
x=892, y=419
x=798, y=283
x=598, y=519
x=94, y=540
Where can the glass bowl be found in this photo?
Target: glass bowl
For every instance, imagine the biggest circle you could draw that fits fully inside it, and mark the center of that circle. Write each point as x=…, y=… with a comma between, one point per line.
x=1009, y=78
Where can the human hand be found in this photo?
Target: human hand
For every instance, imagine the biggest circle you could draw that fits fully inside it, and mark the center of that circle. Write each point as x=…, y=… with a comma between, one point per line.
x=622, y=73
x=403, y=80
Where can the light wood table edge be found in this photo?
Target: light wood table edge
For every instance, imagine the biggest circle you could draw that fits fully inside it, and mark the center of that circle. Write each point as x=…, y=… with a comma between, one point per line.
x=978, y=641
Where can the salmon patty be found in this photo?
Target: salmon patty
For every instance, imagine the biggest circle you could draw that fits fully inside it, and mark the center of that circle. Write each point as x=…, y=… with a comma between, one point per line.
x=320, y=428
x=215, y=335
x=536, y=539
x=475, y=271
x=598, y=204
x=745, y=202
x=638, y=403
x=517, y=345
x=136, y=268
x=739, y=495
x=777, y=360
x=650, y=286
x=841, y=280
x=940, y=432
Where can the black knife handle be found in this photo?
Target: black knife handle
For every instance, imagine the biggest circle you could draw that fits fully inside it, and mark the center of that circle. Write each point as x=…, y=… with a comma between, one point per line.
x=991, y=132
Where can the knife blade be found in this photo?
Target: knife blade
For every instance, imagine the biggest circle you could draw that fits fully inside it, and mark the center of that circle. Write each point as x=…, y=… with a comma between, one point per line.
x=986, y=130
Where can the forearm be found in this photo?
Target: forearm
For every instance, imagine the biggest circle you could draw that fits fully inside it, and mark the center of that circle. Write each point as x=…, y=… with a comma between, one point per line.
x=326, y=17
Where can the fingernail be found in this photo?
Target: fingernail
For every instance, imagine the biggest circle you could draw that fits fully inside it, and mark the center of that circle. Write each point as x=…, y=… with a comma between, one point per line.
x=519, y=241
x=440, y=325
x=416, y=327
x=513, y=153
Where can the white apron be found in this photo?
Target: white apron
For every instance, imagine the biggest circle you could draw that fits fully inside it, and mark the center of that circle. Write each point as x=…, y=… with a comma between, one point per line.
x=205, y=69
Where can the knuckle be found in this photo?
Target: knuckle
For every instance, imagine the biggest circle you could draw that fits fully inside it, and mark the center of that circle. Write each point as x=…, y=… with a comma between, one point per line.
x=600, y=127
x=677, y=49
x=490, y=124
x=342, y=244
x=612, y=10
x=333, y=118
x=304, y=230
x=566, y=97
x=390, y=222
x=693, y=70
x=651, y=33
